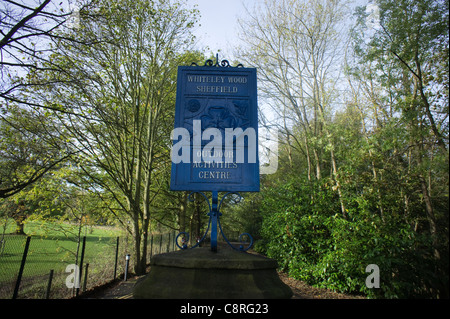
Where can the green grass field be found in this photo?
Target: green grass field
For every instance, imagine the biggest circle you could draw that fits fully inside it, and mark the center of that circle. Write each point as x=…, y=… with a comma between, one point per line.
x=54, y=246
x=39, y=228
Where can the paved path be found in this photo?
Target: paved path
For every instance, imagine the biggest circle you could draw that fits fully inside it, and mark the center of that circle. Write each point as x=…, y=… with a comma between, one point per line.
x=119, y=290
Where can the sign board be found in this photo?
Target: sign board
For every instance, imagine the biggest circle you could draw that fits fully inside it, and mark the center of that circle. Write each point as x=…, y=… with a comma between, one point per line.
x=215, y=140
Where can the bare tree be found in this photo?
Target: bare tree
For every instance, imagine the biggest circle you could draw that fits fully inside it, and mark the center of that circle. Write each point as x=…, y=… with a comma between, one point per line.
x=30, y=33
x=296, y=46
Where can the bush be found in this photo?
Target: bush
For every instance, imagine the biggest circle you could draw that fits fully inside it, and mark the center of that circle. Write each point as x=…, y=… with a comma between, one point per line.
x=304, y=230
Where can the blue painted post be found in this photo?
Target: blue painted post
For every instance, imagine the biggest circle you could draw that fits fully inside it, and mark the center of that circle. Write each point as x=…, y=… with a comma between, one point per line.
x=214, y=216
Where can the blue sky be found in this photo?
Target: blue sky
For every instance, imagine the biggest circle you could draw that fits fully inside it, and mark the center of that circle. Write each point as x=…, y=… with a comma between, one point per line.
x=218, y=29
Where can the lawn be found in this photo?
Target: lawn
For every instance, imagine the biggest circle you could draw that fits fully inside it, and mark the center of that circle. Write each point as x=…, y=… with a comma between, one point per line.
x=54, y=246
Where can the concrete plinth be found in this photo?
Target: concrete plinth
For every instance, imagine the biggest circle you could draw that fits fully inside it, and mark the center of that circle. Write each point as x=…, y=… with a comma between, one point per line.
x=200, y=273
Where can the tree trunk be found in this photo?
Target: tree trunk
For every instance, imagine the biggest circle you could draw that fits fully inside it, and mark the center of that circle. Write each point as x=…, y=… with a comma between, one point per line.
x=338, y=185
x=308, y=158
x=137, y=244
x=182, y=212
x=430, y=215
x=318, y=173
x=19, y=218
x=435, y=130
x=20, y=226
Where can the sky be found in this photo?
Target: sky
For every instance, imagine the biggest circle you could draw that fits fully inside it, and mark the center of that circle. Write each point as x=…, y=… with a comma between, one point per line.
x=219, y=27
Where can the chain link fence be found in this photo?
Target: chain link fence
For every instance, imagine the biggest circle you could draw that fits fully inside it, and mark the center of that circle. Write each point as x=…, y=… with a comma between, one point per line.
x=38, y=267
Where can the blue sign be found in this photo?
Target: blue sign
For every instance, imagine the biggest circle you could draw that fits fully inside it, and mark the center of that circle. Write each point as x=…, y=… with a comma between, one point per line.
x=215, y=139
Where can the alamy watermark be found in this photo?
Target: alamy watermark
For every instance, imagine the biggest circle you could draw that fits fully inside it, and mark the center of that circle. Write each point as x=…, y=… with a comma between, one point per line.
x=229, y=147
x=73, y=20
x=73, y=280
x=373, y=280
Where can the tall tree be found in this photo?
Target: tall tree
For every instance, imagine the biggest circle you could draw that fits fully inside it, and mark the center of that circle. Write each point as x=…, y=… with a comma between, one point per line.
x=411, y=37
x=296, y=46
x=120, y=91
x=402, y=59
x=381, y=160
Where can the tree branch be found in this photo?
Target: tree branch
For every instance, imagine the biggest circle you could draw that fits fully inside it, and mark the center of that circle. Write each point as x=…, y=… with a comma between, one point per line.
x=21, y=23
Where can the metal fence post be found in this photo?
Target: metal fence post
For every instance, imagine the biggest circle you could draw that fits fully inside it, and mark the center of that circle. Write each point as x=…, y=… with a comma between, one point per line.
x=127, y=261
x=22, y=265
x=151, y=246
x=85, y=277
x=168, y=243
x=173, y=241
x=117, y=255
x=49, y=285
x=81, y=263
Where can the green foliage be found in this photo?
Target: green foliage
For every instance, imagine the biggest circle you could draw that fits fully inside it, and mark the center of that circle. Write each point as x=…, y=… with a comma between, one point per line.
x=303, y=230
x=29, y=148
x=369, y=185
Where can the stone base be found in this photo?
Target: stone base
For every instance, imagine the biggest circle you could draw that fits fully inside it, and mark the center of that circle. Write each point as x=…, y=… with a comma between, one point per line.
x=200, y=273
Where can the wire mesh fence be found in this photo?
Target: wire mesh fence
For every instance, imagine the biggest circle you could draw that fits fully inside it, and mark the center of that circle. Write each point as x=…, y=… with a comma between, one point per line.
x=62, y=267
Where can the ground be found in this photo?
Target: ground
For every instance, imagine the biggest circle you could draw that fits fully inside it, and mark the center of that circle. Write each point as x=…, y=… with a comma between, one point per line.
x=123, y=290
x=303, y=291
